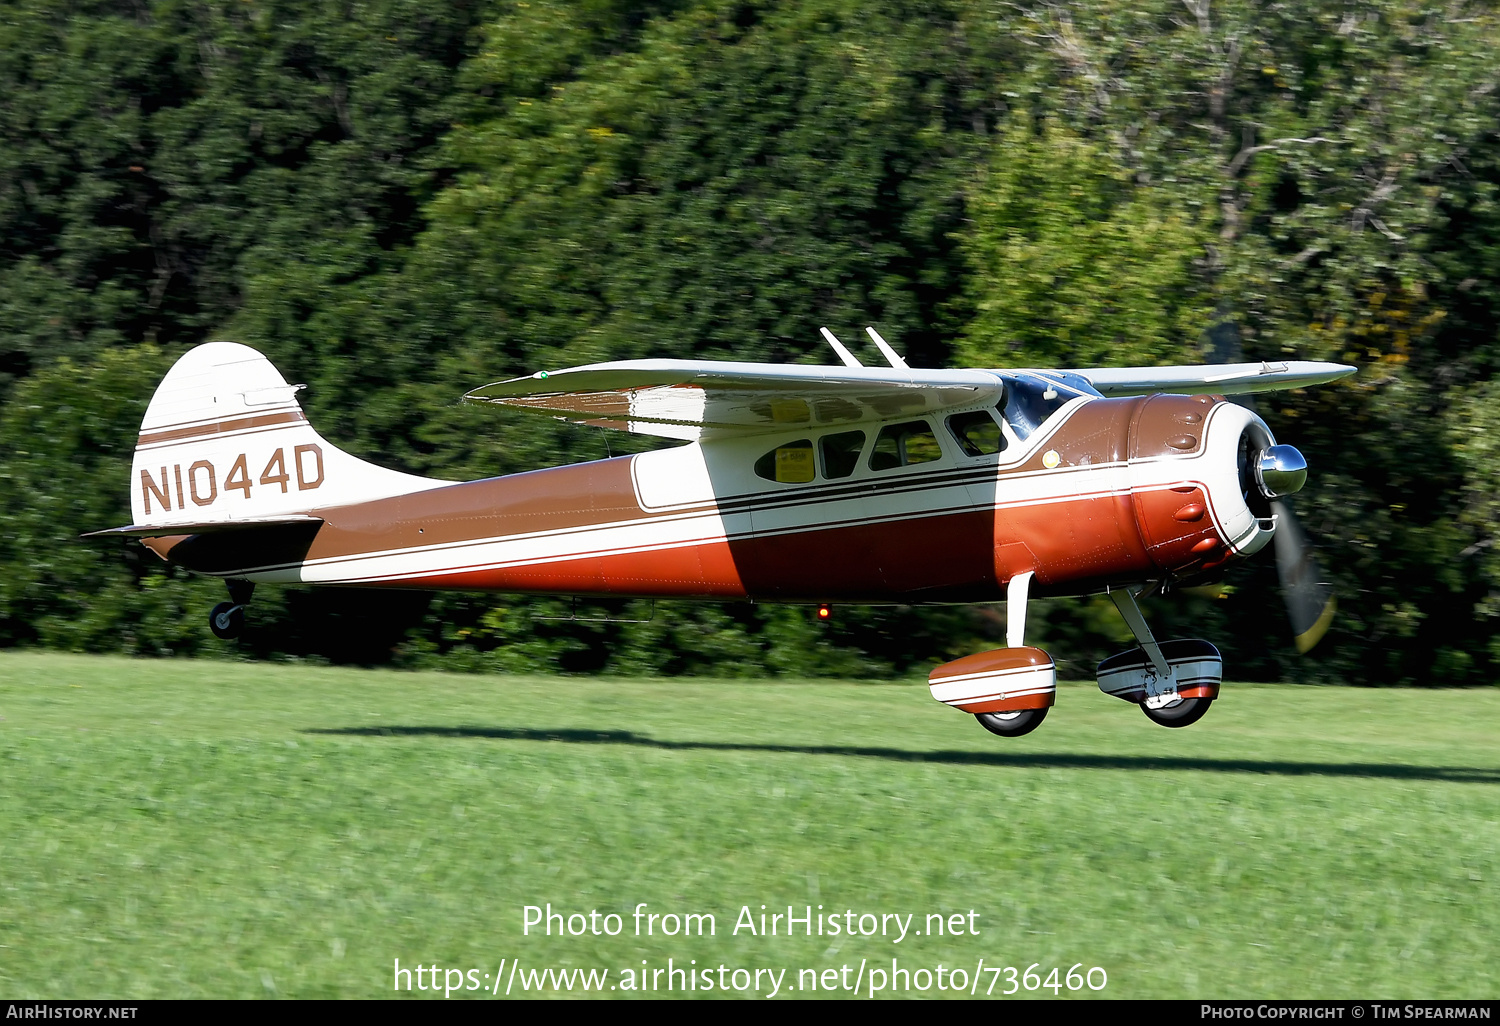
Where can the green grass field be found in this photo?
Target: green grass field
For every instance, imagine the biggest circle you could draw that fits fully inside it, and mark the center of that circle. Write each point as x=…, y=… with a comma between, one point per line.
x=176, y=829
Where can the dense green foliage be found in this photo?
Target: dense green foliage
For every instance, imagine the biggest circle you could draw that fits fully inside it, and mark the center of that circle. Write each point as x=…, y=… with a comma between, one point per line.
x=399, y=202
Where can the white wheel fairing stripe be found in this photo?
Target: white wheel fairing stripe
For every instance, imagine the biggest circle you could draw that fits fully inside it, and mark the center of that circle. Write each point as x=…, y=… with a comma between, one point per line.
x=1194, y=678
x=992, y=674
x=1188, y=672
x=999, y=696
x=1195, y=673
x=1204, y=673
x=992, y=688
x=967, y=696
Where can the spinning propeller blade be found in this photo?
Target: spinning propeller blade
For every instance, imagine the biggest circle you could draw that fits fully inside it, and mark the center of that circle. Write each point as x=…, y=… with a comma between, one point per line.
x=1309, y=598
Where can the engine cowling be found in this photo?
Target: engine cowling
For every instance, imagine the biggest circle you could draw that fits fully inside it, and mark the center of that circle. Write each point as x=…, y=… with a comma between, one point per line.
x=1202, y=472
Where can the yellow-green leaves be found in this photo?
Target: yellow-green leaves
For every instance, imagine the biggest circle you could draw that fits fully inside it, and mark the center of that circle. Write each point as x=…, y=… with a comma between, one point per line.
x=1075, y=262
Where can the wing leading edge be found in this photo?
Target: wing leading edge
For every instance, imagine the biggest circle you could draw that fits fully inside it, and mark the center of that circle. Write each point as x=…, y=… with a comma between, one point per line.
x=1226, y=379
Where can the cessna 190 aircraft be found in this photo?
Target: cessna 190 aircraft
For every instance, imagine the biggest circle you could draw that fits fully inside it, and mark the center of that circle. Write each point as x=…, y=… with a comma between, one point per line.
x=809, y=484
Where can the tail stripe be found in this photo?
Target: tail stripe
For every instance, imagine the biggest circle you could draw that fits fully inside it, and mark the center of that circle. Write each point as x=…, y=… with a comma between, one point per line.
x=220, y=427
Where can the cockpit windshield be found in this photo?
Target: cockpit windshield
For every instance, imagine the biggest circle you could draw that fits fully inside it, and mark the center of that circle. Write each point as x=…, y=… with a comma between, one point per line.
x=1030, y=400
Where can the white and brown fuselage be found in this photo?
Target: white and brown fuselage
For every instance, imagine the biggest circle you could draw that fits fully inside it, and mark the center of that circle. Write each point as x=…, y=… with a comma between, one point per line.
x=1105, y=492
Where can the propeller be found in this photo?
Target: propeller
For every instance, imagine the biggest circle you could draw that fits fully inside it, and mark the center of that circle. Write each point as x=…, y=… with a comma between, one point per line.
x=1268, y=474
x=1310, y=602
x=1275, y=473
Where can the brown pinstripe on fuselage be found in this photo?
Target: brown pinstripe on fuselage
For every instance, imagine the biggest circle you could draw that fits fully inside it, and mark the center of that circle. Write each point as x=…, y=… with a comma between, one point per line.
x=1100, y=534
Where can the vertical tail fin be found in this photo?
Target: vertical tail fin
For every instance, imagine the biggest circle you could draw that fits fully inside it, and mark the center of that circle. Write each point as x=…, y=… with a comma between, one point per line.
x=224, y=442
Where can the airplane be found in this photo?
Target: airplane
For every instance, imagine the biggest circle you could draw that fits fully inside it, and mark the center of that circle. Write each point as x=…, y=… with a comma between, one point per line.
x=792, y=483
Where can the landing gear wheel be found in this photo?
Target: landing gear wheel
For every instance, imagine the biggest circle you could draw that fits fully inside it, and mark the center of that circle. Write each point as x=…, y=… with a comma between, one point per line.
x=1181, y=713
x=1012, y=724
x=227, y=620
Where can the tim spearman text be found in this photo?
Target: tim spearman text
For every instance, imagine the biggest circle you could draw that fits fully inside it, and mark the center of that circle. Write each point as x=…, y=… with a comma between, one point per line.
x=796, y=921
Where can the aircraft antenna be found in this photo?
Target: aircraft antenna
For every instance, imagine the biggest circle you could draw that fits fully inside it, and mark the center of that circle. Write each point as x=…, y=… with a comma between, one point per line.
x=885, y=350
x=838, y=347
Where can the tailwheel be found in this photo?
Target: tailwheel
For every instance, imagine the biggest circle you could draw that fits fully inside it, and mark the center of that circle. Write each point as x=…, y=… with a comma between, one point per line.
x=1012, y=724
x=1181, y=713
x=227, y=620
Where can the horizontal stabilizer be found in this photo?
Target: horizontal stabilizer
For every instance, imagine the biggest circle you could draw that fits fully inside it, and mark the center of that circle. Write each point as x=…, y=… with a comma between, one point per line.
x=200, y=527
x=1225, y=379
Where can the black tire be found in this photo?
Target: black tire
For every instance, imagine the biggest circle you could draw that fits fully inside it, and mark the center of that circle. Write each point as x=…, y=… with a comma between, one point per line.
x=1012, y=724
x=1182, y=713
x=226, y=620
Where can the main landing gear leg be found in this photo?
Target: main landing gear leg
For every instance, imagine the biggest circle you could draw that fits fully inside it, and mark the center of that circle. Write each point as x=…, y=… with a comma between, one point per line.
x=1162, y=704
x=1015, y=609
x=227, y=619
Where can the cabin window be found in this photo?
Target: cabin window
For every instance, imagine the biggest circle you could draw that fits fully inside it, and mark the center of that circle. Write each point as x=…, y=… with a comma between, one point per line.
x=1029, y=401
x=903, y=445
x=977, y=433
x=841, y=453
x=788, y=463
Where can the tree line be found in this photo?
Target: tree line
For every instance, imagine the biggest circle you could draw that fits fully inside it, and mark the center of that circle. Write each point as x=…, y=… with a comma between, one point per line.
x=398, y=201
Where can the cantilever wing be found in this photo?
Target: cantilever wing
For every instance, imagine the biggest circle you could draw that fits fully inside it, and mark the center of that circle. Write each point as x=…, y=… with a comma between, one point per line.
x=690, y=398
x=1226, y=379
